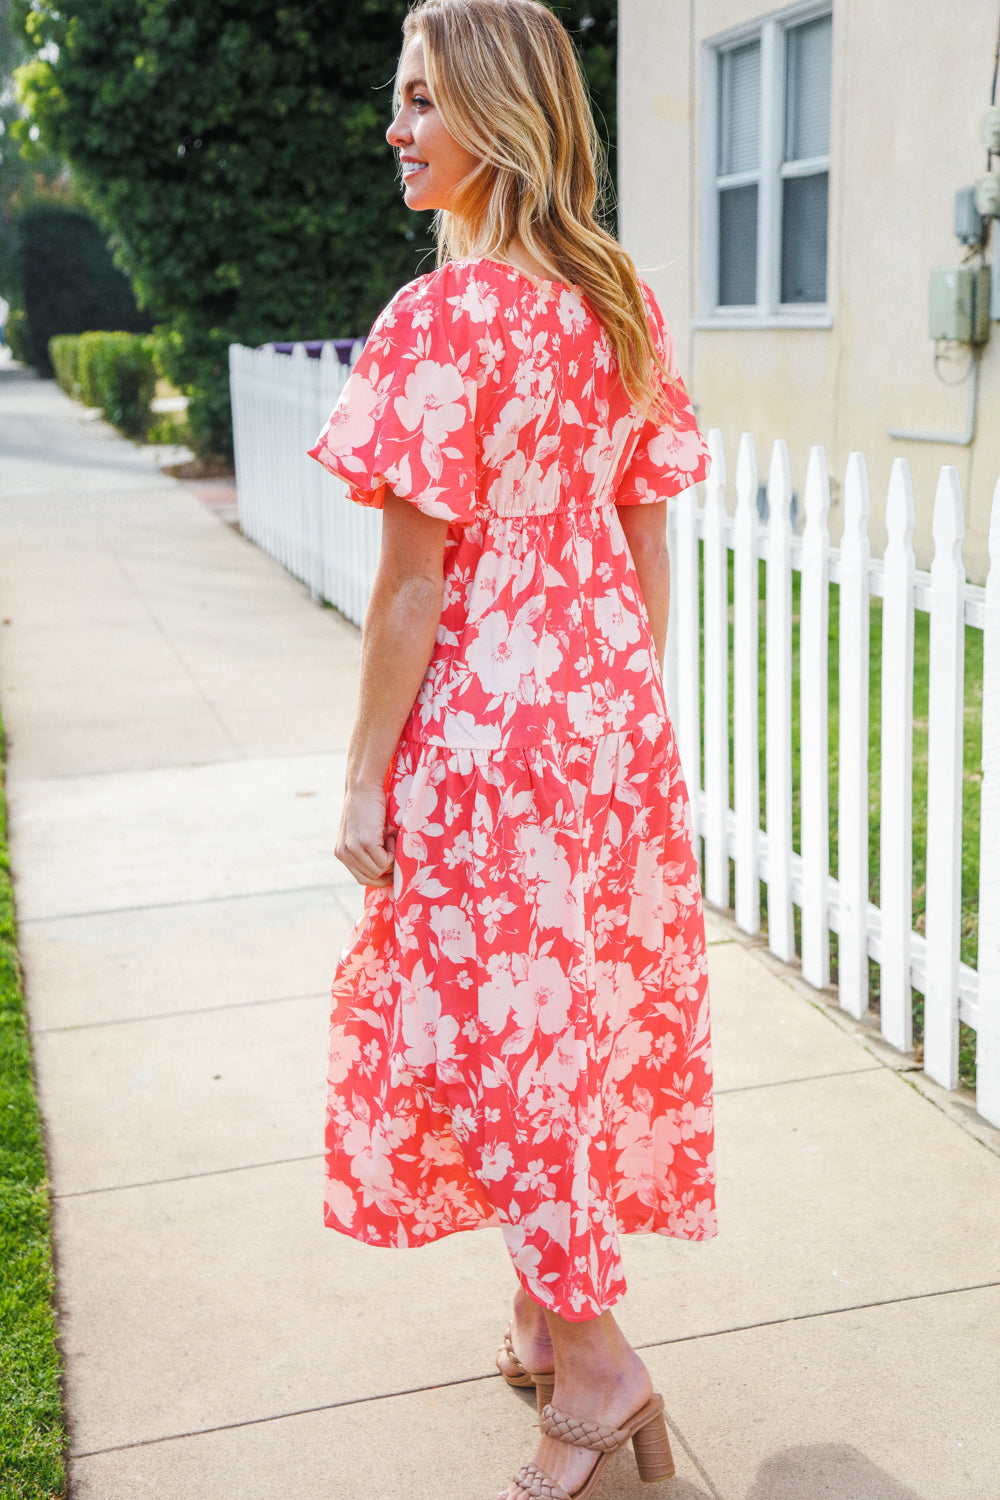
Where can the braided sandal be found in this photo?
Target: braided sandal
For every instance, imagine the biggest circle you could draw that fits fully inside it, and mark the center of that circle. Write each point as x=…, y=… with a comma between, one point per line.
x=646, y=1428
x=544, y=1382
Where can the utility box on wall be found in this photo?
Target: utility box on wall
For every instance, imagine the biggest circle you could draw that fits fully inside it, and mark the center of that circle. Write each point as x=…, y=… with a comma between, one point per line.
x=960, y=304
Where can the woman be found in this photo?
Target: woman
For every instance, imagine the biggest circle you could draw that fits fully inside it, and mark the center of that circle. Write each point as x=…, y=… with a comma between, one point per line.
x=520, y=1027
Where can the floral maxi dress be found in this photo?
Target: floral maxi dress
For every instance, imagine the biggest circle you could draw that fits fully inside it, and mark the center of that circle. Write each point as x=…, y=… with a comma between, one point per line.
x=520, y=1025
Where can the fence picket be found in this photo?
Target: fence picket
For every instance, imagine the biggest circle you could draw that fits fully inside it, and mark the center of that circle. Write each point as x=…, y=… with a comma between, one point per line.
x=988, y=1032
x=896, y=835
x=684, y=605
x=746, y=689
x=852, y=792
x=944, y=784
x=814, y=714
x=778, y=709
x=716, y=578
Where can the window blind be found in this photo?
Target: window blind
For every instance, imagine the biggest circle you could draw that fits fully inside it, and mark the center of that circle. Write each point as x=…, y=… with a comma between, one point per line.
x=739, y=109
x=808, y=56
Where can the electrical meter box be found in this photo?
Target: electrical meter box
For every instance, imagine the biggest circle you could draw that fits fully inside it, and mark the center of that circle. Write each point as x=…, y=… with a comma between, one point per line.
x=960, y=304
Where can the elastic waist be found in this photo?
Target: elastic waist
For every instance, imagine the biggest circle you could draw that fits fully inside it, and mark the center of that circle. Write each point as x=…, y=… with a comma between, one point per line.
x=486, y=513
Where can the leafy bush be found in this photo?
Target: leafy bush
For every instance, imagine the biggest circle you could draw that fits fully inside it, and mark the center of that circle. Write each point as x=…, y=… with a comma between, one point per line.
x=115, y=371
x=170, y=431
x=69, y=283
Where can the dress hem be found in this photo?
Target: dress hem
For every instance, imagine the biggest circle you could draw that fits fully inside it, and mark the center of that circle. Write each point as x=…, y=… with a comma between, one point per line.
x=570, y=1315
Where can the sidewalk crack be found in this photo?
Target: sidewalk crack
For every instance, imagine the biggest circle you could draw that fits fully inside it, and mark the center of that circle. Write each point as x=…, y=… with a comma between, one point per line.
x=128, y=1187
x=307, y=1411
x=171, y=1015
x=826, y=1312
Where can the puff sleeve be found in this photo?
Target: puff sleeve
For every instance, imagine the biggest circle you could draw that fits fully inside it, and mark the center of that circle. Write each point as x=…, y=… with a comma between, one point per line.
x=406, y=417
x=671, y=454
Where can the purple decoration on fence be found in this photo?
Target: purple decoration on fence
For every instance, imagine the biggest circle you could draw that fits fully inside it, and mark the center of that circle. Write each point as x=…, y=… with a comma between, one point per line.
x=314, y=347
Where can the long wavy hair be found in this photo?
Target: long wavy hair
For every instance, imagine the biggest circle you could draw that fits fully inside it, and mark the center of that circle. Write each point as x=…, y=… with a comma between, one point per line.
x=509, y=88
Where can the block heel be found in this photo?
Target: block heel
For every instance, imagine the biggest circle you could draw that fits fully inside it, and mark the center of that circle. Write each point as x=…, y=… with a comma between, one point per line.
x=545, y=1386
x=646, y=1428
x=651, y=1447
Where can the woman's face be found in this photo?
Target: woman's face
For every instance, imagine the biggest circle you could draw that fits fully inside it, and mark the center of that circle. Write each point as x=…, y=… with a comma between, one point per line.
x=433, y=163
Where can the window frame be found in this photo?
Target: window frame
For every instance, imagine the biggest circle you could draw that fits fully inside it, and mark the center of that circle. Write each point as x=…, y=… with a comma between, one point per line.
x=768, y=311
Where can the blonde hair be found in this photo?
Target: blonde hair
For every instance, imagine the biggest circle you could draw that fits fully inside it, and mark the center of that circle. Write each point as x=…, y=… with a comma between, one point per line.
x=508, y=86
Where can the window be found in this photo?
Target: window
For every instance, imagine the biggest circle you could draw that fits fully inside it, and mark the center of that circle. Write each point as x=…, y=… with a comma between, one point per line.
x=766, y=141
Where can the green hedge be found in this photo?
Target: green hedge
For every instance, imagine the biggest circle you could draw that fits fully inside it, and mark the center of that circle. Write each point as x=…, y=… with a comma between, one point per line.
x=115, y=371
x=64, y=353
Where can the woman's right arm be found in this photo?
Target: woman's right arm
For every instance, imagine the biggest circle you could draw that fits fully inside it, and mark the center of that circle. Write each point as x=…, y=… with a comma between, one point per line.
x=401, y=624
x=645, y=528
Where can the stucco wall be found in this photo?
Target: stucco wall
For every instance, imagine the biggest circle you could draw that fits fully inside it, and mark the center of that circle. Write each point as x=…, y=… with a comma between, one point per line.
x=910, y=84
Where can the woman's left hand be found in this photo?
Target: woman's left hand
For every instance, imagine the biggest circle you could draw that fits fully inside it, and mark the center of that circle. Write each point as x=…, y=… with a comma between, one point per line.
x=363, y=845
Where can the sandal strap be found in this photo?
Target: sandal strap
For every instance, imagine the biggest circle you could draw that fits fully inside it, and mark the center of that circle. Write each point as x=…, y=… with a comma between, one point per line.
x=508, y=1349
x=538, y=1485
x=599, y=1437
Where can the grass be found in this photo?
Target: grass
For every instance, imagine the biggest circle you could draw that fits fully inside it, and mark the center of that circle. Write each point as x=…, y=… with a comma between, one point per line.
x=32, y=1438
x=970, y=799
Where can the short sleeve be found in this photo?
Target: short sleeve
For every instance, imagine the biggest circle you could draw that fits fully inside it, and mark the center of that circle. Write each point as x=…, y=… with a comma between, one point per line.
x=406, y=417
x=671, y=453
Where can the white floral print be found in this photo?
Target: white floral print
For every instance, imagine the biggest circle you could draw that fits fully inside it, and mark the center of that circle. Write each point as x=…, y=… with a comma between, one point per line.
x=520, y=1025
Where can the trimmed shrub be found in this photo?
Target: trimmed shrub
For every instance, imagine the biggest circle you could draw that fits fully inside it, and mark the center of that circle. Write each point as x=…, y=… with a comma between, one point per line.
x=64, y=354
x=115, y=371
x=86, y=369
x=125, y=378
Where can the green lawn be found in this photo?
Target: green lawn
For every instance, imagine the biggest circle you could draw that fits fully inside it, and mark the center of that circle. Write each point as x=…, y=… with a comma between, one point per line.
x=32, y=1438
x=970, y=800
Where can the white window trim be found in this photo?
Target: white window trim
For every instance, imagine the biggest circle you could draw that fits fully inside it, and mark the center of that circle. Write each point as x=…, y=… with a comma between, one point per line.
x=769, y=311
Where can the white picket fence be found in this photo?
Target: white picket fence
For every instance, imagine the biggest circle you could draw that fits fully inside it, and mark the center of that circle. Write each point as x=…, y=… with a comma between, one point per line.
x=301, y=516
x=287, y=503
x=928, y=961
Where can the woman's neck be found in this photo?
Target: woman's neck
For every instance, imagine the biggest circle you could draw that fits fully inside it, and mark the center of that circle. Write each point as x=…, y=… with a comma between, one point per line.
x=521, y=258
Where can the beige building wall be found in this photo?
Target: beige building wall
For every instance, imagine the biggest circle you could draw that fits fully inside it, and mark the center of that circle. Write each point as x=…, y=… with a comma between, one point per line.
x=910, y=85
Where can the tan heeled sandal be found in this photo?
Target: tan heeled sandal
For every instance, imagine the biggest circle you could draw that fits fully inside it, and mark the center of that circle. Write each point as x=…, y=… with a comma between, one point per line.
x=646, y=1428
x=543, y=1381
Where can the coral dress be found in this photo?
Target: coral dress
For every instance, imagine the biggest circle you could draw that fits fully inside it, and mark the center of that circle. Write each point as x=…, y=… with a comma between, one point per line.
x=520, y=1025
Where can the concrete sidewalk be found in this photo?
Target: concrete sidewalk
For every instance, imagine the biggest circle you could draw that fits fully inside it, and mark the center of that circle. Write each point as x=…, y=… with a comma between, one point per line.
x=177, y=713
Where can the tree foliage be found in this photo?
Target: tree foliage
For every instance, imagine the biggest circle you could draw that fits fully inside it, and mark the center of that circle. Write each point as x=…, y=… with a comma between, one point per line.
x=593, y=24
x=20, y=180
x=235, y=149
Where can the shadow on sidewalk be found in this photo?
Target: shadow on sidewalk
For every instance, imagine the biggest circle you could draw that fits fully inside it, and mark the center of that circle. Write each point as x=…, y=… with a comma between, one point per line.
x=834, y=1470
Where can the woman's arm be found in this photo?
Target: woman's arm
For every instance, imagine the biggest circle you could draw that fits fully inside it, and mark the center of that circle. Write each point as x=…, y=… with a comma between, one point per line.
x=645, y=528
x=401, y=623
